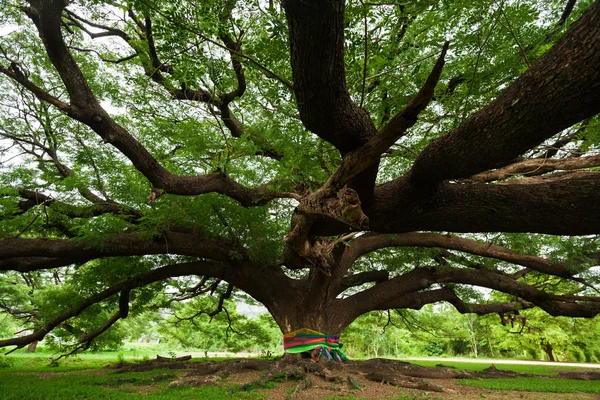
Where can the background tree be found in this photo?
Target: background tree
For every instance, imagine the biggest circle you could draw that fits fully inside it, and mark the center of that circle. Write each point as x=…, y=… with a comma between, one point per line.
x=418, y=150
x=226, y=331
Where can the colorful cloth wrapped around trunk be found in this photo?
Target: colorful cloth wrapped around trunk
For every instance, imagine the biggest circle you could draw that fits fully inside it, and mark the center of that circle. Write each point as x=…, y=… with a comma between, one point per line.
x=315, y=343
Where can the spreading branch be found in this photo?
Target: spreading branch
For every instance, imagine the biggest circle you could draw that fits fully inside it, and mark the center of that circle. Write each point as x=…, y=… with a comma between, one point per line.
x=361, y=158
x=363, y=277
x=417, y=300
x=528, y=112
x=86, y=109
x=49, y=252
x=33, y=198
x=369, y=243
x=387, y=294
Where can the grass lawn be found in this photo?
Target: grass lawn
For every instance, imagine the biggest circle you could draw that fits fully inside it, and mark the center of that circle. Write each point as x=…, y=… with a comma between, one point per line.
x=108, y=385
x=536, y=385
x=29, y=376
x=25, y=376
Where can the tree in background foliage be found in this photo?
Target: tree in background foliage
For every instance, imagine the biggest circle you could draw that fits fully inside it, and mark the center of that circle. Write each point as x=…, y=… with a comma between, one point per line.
x=229, y=331
x=327, y=158
x=443, y=331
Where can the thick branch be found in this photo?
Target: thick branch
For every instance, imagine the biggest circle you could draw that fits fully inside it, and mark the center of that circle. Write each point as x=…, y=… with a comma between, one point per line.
x=417, y=300
x=566, y=206
x=28, y=264
x=569, y=306
x=366, y=244
x=116, y=245
x=362, y=278
x=316, y=30
x=559, y=90
x=379, y=296
x=361, y=158
x=389, y=294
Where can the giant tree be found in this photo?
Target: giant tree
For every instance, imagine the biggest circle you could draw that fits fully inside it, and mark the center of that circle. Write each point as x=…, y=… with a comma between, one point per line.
x=325, y=157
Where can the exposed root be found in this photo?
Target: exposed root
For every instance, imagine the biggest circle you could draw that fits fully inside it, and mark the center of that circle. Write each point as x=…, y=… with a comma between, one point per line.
x=583, y=375
x=406, y=382
x=304, y=384
x=404, y=369
x=493, y=372
x=308, y=373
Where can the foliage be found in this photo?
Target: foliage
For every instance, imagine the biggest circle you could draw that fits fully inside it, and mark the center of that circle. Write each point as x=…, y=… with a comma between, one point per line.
x=442, y=331
x=228, y=331
x=574, y=340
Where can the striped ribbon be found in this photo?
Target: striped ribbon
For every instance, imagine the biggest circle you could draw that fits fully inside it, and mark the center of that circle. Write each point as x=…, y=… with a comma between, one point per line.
x=315, y=343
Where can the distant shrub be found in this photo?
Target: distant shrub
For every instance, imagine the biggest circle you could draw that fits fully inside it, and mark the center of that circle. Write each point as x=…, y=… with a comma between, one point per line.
x=578, y=355
x=435, y=348
x=533, y=353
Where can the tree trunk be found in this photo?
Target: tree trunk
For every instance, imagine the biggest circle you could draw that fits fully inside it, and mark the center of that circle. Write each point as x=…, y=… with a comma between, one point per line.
x=317, y=314
x=32, y=346
x=489, y=339
x=547, y=347
x=472, y=336
x=311, y=303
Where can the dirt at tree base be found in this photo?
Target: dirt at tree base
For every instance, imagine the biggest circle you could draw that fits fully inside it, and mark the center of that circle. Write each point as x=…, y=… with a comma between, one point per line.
x=306, y=379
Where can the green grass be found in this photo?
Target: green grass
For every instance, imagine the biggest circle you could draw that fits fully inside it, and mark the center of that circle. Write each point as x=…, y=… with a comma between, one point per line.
x=109, y=385
x=29, y=376
x=40, y=362
x=535, y=385
x=25, y=362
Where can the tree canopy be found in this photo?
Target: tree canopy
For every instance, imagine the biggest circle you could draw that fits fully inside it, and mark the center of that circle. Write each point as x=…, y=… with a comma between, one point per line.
x=326, y=158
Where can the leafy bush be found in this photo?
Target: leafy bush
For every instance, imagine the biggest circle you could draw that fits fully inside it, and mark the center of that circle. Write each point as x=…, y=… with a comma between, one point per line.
x=435, y=348
x=534, y=353
x=578, y=355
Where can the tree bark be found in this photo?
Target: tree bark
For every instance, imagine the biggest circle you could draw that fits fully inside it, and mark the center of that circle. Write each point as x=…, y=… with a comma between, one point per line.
x=316, y=30
x=312, y=304
x=559, y=90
